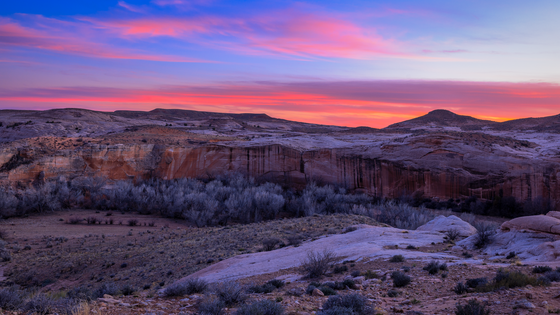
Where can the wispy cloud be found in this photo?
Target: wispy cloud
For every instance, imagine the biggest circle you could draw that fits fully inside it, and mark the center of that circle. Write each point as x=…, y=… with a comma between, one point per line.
x=290, y=32
x=65, y=37
x=351, y=103
x=131, y=7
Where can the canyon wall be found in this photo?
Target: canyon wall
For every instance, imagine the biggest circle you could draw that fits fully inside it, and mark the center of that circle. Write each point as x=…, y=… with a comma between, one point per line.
x=439, y=174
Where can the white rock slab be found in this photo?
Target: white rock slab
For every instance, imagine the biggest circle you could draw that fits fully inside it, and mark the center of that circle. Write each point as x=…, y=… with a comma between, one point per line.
x=366, y=242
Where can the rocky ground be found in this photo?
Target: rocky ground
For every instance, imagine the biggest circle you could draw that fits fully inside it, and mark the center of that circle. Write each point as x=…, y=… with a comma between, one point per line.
x=57, y=256
x=49, y=252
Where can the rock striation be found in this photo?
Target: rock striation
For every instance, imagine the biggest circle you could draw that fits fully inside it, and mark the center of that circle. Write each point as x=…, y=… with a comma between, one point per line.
x=385, y=163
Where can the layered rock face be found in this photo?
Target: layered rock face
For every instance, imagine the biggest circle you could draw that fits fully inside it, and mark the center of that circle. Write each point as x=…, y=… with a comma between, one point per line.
x=440, y=155
x=403, y=171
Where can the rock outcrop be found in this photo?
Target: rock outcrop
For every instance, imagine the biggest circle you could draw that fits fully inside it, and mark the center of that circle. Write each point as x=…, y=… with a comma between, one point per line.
x=442, y=224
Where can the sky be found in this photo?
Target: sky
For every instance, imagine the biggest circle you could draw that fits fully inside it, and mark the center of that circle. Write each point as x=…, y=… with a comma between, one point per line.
x=349, y=63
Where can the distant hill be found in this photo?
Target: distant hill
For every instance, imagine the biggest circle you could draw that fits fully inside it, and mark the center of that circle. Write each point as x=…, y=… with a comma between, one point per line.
x=442, y=118
x=545, y=124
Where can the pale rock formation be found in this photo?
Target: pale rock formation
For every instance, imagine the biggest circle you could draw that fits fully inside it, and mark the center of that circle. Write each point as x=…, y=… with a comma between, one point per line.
x=443, y=224
x=366, y=242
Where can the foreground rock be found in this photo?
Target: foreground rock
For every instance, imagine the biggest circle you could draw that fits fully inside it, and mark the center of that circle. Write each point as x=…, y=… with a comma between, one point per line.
x=366, y=242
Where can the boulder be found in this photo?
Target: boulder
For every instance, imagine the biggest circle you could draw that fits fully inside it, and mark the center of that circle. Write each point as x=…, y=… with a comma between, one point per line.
x=443, y=224
x=537, y=223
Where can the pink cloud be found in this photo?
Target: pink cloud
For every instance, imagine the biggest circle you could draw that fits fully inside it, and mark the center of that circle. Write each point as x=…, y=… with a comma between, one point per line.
x=290, y=32
x=54, y=38
x=350, y=103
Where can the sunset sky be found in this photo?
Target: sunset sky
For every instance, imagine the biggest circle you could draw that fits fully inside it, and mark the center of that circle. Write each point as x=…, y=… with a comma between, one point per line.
x=353, y=63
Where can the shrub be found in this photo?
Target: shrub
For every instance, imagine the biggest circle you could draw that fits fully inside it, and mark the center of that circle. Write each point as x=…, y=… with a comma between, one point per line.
x=276, y=283
x=370, y=275
x=5, y=255
x=106, y=288
x=472, y=308
x=347, y=304
x=541, y=269
x=510, y=279
x=317, y=264
x=265, y=288
x=340, y=269
x=74, y=220
x=295, y=240
x=270, y=244
x=411, y=247
x=230, y=293
x=434, y=266
x=263, y=307
x=128, y=290
x=132, y=222
x=484, y=235
x=397, y=258
x=460, y=288
x=553, y=276
x=476, y=282
x=393, y=293
x=92, y=220
x=326, y=290
x=10, y=299
x=211, y=306
x=356, y=273
x=400, y=279
x=39, y=304
x=511, y=255
x=452, y=234
x=187, y=287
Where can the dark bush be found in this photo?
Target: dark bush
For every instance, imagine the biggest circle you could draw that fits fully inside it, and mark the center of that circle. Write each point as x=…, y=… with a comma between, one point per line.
x=476, y=282
x=400, y=279
x=353, y=303
x=317, y=264
x=276, y=283
x=128, y=290
x=295, y=240
x=187, y=287
x=553, y=276
x=327, y=290
x=541, y=269
x=39, y=304
x=265, y=288
x=510, y=279
x=472, y=308
x=340, y=269
x=460, y=288
x=270, y=244
x=230, y=293
x=370, y=275
x=92, y=220
x=434, y=267
x=10, y=299
x=263, y=307
x=356, y=273
x=393, y=293
x=106, y=288
x=452, y=234
x=211, y=306
x=132, y=222
x=411, y=247
x=484, y=235
x=74, y=220
x=397, y=258
x=511, y=255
